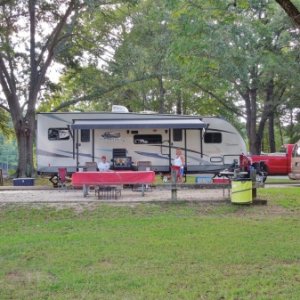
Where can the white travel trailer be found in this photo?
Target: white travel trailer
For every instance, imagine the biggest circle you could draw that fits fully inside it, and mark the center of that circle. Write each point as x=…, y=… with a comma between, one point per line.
x=72, y=139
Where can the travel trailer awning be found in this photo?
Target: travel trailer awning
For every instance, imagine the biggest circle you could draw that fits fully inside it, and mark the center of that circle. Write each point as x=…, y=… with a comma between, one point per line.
x=179, y=123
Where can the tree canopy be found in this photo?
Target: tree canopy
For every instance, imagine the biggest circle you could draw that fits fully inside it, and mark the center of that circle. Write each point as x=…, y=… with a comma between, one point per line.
x=33, y=35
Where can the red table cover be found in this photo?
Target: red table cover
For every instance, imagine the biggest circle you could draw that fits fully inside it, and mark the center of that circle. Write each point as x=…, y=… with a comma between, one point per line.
x=113, y=178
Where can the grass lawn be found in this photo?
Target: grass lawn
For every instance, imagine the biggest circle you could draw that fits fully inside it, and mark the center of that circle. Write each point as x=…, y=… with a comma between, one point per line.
x=150, y=251
x=278, y=179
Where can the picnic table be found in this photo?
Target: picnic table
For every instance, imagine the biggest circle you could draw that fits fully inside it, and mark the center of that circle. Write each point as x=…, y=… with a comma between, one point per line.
x=112, y=178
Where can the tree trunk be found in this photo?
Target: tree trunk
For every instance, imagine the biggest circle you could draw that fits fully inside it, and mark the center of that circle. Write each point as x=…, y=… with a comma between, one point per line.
x=145, y=107
x=254, y=132
x=251, y=123
x=268, y=110
x=254, y=138
x=161, y=95
x=178, y=103
x=290, y=9
x=248, y=116
x=280, y=131
x=260, y=131
x=272, y=143
x=291, y=125
x=25, y=134
x=268, y=113
x=35, y=64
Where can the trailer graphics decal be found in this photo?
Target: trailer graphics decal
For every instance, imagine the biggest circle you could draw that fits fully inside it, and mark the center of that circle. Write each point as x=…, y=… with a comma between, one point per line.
x=110, y=135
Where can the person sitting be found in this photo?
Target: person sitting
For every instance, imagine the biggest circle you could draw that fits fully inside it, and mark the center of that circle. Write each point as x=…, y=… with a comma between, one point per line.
x=103, y=165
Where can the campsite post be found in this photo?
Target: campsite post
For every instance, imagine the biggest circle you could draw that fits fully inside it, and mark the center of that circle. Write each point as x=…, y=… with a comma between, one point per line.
x=173, y=185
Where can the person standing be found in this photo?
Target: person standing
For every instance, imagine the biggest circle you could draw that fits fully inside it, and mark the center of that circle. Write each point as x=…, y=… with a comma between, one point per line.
x=178, y=164
x=103, y=165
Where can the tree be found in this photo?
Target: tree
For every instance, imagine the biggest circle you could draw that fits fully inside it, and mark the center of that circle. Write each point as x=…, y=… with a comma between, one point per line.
x=5, y=126
x=143, y=51
x=33, y=34
x=292, y=11
x=139, y=75
x=242, y=60
x=25, y=57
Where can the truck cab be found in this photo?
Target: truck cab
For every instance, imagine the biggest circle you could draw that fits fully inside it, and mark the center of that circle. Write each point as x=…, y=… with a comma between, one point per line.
x=278, y=163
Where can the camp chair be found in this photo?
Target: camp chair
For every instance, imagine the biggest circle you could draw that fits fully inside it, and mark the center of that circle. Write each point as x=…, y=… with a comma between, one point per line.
x=62, y=177
x=91, y=166
x=144, y=165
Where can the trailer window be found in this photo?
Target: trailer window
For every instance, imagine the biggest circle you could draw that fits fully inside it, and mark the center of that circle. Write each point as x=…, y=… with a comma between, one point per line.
x=55, y=134
x=147, y=139
x=85, y=135
x=213, y=138
x=177, y=135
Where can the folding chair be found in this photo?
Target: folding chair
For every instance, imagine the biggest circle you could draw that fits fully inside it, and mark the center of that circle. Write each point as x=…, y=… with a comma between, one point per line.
x=91, y=166
x=144, y=165
x=62, y=177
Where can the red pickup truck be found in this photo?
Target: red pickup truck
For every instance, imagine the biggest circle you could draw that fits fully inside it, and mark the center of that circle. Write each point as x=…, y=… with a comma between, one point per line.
x=275, y=163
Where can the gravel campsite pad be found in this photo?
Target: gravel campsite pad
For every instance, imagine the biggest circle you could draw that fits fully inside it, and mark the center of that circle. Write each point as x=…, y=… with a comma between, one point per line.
x=127, y=195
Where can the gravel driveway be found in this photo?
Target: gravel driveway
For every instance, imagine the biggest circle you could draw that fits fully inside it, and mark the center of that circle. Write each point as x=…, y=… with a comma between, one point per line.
x=39, y=195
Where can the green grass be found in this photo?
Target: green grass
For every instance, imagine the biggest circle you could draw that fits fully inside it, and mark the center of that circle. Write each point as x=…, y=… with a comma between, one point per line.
x=167, y=251
x=272, y=179
x=288, y=197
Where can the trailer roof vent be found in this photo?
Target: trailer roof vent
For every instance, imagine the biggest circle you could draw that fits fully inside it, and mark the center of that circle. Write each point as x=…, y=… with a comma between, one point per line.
x=119, y=109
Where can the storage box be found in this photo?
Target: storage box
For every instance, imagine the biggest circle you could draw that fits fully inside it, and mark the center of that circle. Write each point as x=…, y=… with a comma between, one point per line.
x=203, y=179
x=23, y=181
x=221, y=180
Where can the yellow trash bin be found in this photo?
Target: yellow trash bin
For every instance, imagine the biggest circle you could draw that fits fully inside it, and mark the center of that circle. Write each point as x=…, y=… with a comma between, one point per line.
x=241, y=191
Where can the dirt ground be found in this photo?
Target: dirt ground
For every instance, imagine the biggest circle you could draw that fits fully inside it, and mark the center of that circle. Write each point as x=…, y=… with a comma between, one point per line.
x=127, y=195
x=74, y=198
x=39, y=197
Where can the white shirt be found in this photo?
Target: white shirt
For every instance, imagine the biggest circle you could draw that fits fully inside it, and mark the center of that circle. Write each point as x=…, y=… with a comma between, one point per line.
x=177, y=161
x=103, y=166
